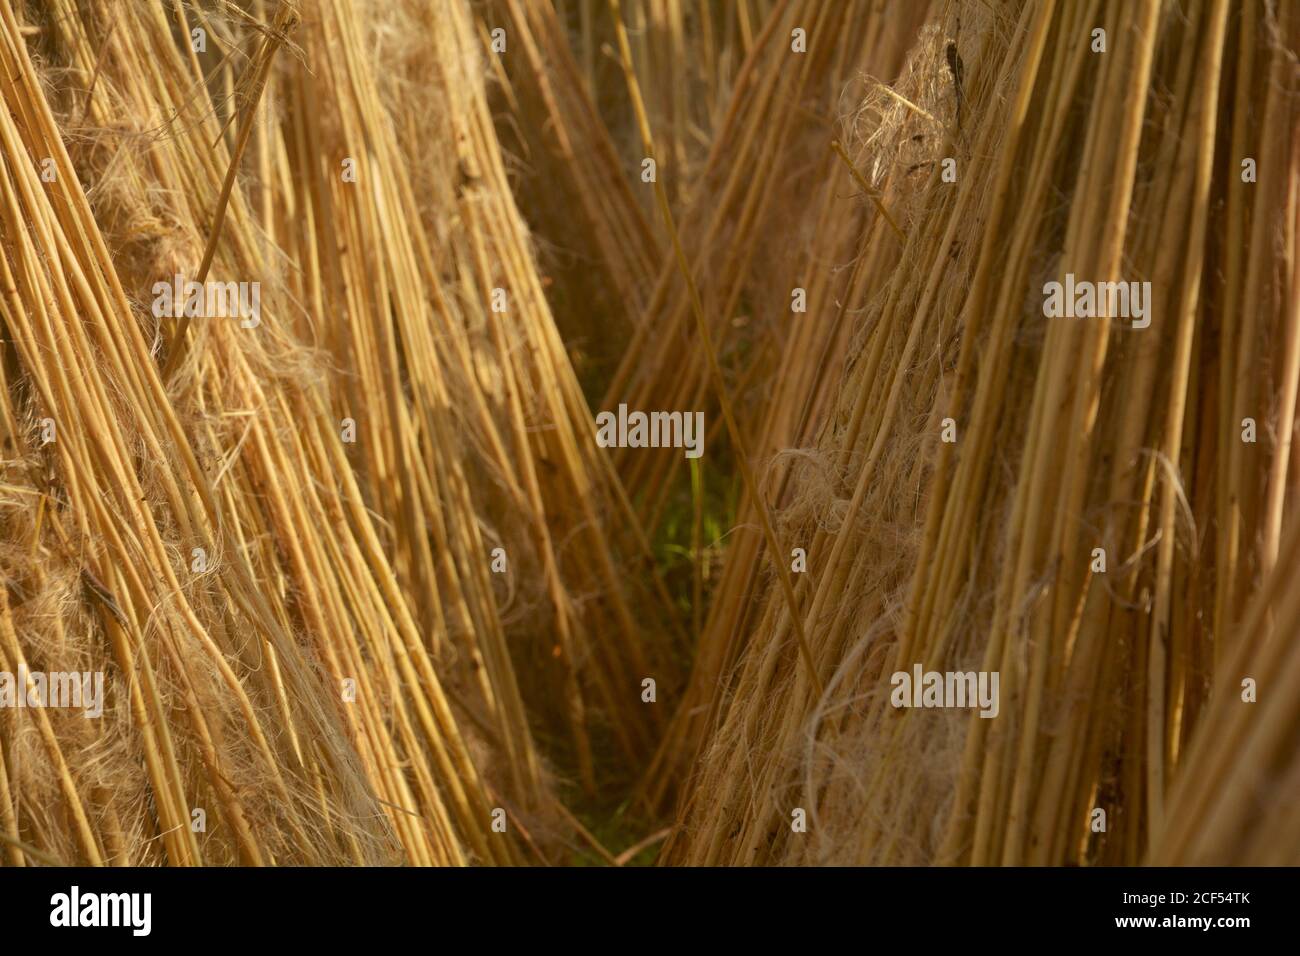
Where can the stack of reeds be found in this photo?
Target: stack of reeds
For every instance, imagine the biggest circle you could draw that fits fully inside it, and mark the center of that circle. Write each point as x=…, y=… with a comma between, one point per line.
x=361, y=585
x=578, y=551
x=222, y=737
x=601, y=251
x=1083, y=505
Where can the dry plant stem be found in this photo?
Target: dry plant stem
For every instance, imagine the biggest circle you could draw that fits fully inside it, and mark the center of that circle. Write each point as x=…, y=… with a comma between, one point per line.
x=866, y=188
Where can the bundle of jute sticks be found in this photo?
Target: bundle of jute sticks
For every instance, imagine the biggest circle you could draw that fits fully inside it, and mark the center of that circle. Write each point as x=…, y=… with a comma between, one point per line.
x=314, y=552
